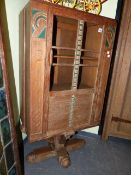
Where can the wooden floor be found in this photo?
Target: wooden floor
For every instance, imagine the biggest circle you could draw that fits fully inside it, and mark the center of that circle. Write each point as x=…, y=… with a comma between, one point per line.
x=96, y=158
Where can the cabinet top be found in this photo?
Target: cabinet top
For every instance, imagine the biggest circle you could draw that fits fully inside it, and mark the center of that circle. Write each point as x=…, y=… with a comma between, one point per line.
x=73, y=13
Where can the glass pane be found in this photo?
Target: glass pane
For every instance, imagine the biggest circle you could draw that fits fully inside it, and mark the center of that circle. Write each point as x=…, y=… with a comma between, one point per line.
x=5, y=128
x=9, y=156
x=13, y=171
x=1, y=76
x=3, y=106
x=64, y=41
x=1, y=148
x=3, y=167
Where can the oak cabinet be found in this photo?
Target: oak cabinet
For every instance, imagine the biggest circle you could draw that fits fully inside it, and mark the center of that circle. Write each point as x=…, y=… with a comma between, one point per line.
x=65, y=59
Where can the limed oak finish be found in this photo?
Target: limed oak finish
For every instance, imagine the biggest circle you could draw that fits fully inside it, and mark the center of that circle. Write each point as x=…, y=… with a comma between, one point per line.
x=65, y=57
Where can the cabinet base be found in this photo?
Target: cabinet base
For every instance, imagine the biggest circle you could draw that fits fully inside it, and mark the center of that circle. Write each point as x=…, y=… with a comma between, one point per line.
x=59, y=147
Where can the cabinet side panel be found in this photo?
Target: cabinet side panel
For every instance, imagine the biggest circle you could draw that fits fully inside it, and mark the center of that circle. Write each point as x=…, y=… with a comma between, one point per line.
x=37, y=69
x=105, y=65
x=24, y=64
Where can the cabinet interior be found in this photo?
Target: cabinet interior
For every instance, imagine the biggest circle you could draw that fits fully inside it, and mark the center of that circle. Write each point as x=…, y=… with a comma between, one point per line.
x=63, y=54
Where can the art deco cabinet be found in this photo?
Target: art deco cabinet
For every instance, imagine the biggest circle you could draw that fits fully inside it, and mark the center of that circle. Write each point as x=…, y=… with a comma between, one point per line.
x=65, y=56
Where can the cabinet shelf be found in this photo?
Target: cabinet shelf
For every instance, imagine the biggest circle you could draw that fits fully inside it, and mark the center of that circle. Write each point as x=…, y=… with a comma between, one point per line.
x=65, y=87
x=87, y=53
x=82, y=65
x=70, y=48
x=82, y=57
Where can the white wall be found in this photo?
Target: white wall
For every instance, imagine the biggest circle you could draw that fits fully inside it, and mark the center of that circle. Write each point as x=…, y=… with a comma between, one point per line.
x=109, y=8
x=13, y=9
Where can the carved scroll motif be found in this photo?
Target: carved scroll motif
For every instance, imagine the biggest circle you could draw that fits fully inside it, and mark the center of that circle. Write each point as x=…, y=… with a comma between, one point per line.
x=39, y=23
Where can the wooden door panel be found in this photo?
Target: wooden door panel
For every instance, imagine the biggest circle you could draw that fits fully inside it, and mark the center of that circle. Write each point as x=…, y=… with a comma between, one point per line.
x=118, y=114
x=82, y=109
x=61, y=118
x=124, y=73
x=59, y=104
x=124, y=111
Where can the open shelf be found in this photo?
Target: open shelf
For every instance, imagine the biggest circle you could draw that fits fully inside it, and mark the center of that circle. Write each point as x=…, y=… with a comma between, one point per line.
x=63, y=54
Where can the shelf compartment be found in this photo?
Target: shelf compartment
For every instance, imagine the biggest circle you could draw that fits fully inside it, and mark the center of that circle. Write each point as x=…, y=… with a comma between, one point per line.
x=63, y=54
x=58, y=81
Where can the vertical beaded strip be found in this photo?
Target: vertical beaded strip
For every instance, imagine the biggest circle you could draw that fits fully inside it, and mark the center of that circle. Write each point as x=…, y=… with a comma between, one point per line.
x=79, y=39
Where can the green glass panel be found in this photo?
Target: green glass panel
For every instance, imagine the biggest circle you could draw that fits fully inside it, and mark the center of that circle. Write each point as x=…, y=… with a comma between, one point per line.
x=3, y=167
x=3, y=106
x=5, y=128
x=9, y=156
x=13, y=171
x=1, y=76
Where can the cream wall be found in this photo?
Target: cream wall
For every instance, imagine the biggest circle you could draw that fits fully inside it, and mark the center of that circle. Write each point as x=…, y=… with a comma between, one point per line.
x=109, y=8
x=13, y=9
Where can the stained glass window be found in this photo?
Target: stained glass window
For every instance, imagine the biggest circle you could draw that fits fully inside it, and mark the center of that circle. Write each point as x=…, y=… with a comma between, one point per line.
x=7, y=160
